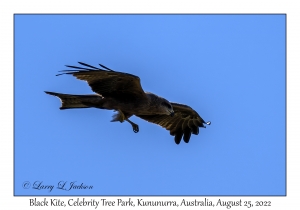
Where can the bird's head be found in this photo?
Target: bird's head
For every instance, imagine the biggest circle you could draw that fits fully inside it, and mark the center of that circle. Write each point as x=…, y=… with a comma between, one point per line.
x=167, y=107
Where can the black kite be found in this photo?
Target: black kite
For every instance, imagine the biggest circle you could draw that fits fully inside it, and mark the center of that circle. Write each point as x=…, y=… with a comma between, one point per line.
x=123, y=92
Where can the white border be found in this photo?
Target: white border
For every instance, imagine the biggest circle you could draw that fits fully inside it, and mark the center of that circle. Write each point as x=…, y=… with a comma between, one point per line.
x=8, y=8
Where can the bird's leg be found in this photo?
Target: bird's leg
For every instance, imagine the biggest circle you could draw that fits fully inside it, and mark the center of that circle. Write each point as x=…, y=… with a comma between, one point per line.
x=135, y=127
x=121, y=117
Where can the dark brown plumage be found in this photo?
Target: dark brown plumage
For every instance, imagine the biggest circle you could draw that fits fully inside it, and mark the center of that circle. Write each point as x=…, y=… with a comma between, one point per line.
x=185, y=122
x=123, y=92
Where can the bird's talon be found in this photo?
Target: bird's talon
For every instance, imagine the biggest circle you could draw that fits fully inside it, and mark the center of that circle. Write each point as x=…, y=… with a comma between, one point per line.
x=135, y=128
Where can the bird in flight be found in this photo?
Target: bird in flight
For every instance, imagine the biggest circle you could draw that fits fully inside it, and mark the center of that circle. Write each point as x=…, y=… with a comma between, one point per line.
x=123, y=93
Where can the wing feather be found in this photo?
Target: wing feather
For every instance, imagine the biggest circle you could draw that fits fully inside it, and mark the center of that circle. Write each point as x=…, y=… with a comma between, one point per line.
x=109, y=83
x=176, y=126
x=187, y=135
x=178, y=136
x=185, y=122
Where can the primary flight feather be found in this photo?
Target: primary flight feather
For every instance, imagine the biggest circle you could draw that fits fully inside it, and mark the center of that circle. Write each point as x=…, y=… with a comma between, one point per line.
x=123, y=92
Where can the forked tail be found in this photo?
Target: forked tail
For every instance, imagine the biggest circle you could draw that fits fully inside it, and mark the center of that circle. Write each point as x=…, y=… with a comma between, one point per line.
x=77, y=101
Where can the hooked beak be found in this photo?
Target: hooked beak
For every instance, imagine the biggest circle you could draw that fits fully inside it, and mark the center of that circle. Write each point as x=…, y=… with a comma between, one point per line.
x=172, y=114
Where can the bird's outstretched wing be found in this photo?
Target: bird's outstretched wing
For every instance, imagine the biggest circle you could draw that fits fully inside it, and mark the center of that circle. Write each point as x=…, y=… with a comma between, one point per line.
x=107, y=82
x=185, y=122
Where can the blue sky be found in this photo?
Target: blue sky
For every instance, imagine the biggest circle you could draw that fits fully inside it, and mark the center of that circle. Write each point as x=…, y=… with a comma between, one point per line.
x=229, y=68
